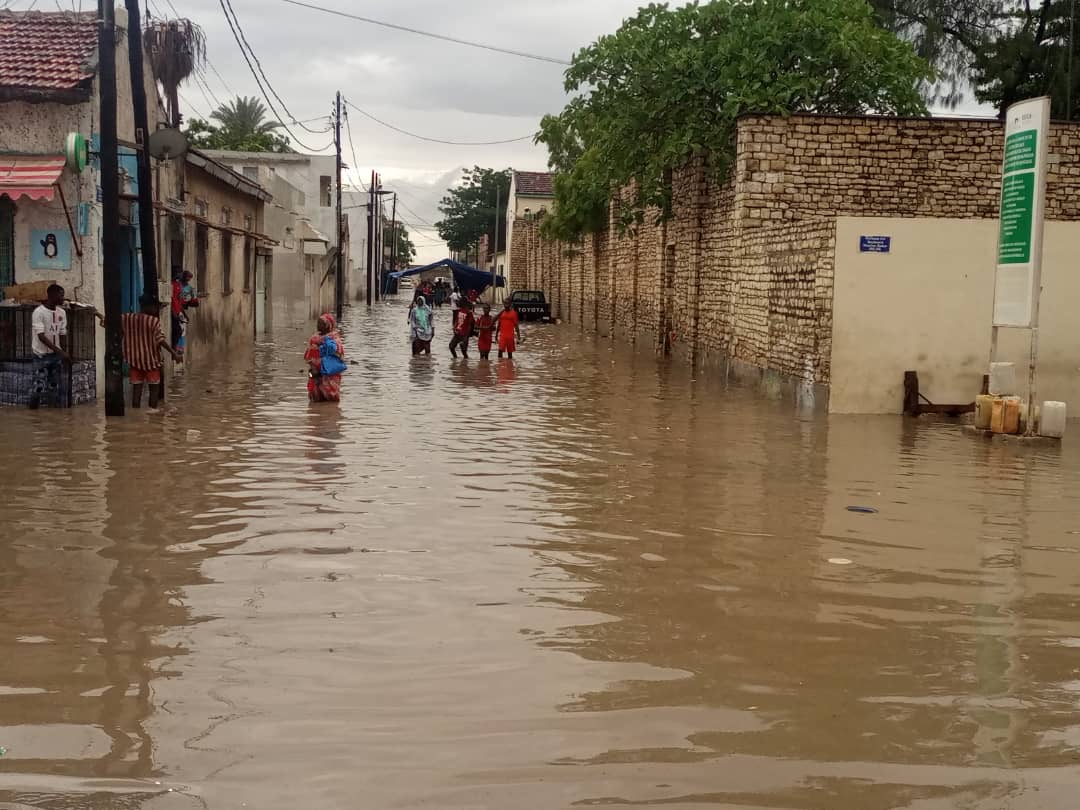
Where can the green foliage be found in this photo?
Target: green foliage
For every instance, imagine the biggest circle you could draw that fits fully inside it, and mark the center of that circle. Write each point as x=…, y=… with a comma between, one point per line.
x=406, y=250
x=1008, y=50
x=471, y=209
x=1030, y=57
x=949, y=34
x=671, y=83
x=241, y=126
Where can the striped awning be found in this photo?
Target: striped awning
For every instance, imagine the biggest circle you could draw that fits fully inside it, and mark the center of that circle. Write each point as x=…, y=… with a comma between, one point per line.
x=32, y=176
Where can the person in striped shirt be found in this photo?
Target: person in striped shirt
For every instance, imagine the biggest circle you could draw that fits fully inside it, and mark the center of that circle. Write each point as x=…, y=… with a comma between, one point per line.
x=143, y=341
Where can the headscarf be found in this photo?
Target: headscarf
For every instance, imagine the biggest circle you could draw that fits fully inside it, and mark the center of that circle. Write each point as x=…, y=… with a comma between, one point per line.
x=315, y=344
x=420, y=320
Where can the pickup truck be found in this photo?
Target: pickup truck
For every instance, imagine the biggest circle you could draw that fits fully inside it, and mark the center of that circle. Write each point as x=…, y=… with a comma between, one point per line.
x=531, y=305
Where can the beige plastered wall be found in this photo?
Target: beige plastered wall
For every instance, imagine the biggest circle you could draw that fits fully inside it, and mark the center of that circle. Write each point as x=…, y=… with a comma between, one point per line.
x=926, y=306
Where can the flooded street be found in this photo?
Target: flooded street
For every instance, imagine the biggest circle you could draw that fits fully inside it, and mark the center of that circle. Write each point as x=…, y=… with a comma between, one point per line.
x=581, y=579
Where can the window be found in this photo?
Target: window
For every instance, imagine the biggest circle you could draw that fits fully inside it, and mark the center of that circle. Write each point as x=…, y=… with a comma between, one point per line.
x=7, y=242
x=202, y=209
x=226, y=262
x=251, y=173
x=226, y=216
x=202, y=252
x=325, y=191
x=249, y=262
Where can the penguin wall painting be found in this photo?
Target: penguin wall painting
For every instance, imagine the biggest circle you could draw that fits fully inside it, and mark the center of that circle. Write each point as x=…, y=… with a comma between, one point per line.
x=50, y=249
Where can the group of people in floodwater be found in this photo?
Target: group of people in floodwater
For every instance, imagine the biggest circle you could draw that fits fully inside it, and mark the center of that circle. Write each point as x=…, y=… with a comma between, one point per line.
x=325, y=354
x=503, y=329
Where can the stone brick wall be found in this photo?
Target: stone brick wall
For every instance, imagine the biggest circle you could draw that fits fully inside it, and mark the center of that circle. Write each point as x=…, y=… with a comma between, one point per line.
x=743, y=271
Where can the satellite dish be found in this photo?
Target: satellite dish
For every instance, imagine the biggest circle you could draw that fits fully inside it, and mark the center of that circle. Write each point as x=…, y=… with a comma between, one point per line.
x=167, y=144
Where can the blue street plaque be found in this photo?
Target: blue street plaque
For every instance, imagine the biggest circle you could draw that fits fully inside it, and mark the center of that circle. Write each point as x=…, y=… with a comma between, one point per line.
x=875, y=244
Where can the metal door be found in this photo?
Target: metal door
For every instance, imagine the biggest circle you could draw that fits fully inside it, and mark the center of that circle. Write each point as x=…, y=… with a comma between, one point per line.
x=261, y=287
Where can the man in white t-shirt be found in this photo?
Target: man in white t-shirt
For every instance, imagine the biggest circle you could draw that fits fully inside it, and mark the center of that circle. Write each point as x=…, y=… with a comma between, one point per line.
x=49, y=323
x=455, y=299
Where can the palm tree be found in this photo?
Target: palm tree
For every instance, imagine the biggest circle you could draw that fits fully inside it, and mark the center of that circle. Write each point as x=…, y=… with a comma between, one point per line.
x=177, y=49
x=244, y=117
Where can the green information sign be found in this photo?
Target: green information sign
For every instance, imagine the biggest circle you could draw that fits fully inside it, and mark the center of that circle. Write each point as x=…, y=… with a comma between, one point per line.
x=1017, y=215
x=1020, y=151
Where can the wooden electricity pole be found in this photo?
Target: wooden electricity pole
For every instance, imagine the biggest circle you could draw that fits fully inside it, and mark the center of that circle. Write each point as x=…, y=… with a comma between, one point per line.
x=147, y=217
x=339, y=281
x=110, y=212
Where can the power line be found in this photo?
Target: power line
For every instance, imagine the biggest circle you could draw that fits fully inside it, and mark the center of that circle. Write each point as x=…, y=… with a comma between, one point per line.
x=262, y=72
x=429, y=224
x=352, y=150
x=438, y=140
x=255, y=74
x=443, y=37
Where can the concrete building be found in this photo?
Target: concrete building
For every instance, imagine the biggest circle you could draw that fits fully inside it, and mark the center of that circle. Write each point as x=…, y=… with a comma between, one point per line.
x=531, y=195
x=315, y=231
x=50, y=216
x=217, y=234
x=762, y=273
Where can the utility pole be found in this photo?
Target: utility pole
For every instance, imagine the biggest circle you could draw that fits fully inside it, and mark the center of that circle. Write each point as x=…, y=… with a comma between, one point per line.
x=393, y=236
x=110, y=212
x=370, y=235
x=147, y=216
x=381, y=239
x=495, y=255
x=339, y=281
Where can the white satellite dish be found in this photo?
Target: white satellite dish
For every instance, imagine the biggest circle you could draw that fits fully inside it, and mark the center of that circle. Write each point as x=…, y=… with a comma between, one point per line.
x=167, y=144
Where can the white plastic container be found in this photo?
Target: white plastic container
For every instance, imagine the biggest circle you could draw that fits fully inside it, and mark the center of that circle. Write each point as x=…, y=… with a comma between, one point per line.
x=1002, y=379
x=1052, y=423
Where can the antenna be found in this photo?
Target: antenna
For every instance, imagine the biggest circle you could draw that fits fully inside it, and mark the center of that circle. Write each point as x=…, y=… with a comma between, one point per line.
x=167, y=144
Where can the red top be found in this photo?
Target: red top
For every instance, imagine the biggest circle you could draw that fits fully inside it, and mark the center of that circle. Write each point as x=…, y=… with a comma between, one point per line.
x=508, y=319
x=463, y=322
x=485, y=323
x=177, y=297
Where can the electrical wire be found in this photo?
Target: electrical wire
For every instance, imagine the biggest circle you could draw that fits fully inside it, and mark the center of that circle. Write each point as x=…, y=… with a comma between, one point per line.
x=420, y=218
x=438, y=140
x=352, y=149
x=443, y=37
x=265, y=95
x=262, y=72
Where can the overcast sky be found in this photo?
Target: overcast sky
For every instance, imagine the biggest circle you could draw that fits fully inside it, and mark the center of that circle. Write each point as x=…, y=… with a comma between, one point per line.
x=435, y=88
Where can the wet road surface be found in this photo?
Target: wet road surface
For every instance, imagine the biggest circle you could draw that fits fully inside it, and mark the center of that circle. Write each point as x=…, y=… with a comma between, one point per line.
x=580, y=579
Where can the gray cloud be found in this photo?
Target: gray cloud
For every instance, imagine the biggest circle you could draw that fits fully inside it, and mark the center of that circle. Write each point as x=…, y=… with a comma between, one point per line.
x=435, y=88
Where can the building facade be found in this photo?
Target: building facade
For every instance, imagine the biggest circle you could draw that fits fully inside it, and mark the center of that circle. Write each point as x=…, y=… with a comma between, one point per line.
x=50, y=210
x=315, y=232
x=762, y=274
x=532, y=195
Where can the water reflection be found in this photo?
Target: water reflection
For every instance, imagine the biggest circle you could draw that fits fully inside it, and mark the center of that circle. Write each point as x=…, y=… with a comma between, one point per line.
x=574, y=578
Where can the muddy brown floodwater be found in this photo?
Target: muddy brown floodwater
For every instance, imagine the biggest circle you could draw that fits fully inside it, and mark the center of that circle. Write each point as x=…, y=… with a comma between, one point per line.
x=582, y=579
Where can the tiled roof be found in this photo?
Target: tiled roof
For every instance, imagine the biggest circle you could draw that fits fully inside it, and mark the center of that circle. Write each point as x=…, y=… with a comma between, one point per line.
x=47, y=55
x=534, y=184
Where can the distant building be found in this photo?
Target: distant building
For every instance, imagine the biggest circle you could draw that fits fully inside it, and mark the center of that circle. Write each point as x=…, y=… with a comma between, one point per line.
x=315, y=231
x=532, y=194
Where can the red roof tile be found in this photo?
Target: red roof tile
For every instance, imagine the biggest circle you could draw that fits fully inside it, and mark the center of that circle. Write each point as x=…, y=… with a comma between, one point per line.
x=45, y=54
x=534, y=184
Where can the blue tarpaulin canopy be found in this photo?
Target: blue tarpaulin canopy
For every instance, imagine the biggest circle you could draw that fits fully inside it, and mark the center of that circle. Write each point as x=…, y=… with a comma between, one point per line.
x=465, y=277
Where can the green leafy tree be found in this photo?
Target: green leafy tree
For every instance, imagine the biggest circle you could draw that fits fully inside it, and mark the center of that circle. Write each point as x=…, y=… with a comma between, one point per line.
x=204, y=135
x=949, y=34
x=240, y=125
x=471, y=209
x=671, y=83
x=244, y=116
x=1031, y=57
x=406, y=250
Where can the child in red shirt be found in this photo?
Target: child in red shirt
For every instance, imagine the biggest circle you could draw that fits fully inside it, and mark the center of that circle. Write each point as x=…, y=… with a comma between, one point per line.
x=485, y=325
x=464, y=321
x=507, y=330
